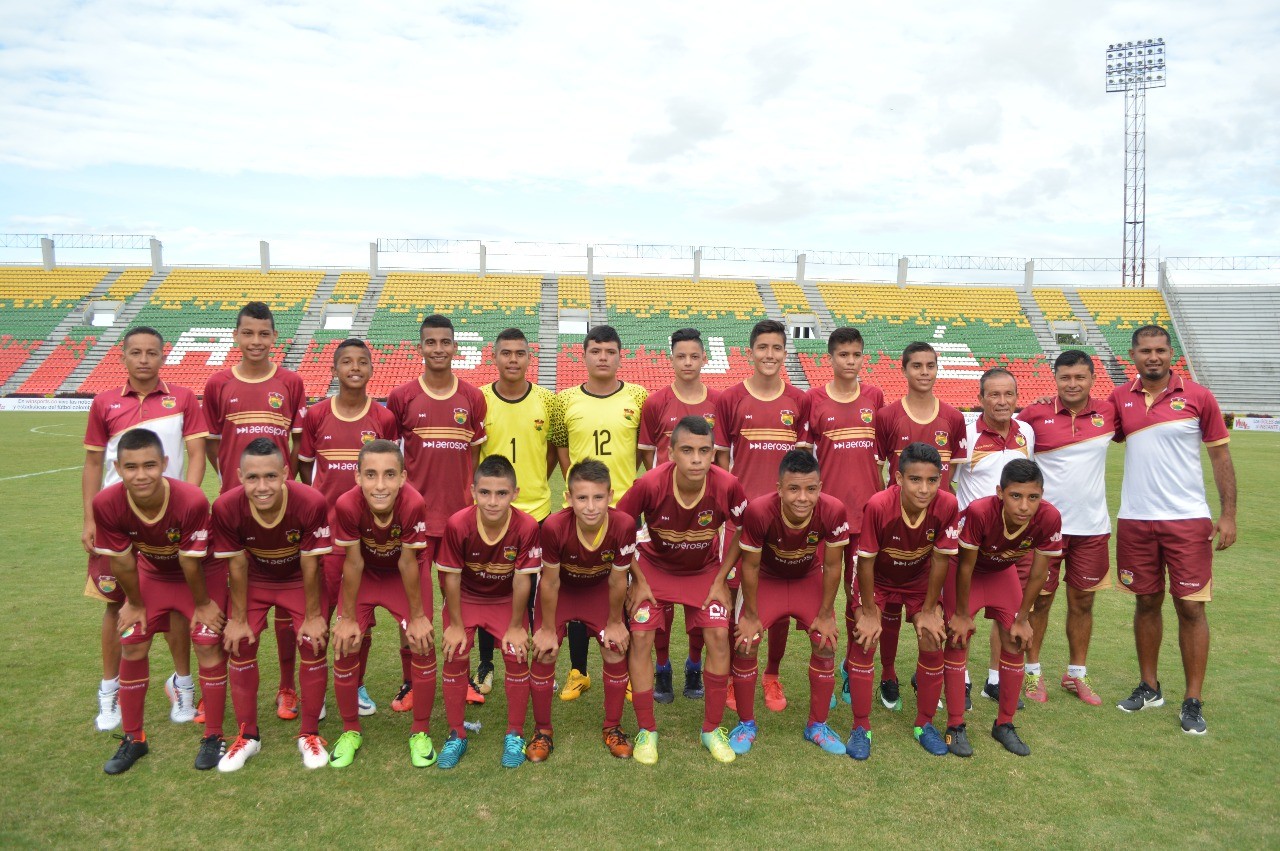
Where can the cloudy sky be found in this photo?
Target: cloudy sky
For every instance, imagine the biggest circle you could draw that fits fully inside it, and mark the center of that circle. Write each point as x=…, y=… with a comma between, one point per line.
x=928, y=127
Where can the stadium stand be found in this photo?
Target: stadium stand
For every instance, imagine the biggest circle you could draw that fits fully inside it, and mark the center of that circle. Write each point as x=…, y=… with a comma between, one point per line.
x=1118, y=312
x=575, y=293
x=32, y=303
x=66, y=355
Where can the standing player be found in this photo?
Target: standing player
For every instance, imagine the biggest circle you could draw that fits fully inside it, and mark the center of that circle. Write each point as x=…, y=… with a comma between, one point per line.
x=685, y=396
x=486, y=558
x=587, y=550
x=1072, y=434
x=757, y=423
x=684, y=503
x=256, y=398
x=155, y=530
x=272, y=532
x=783, y=577
x=909, y=532
x=919, y=417
x=599, y=418
x=996, y=532
x=174, y=414
x=1164, y=522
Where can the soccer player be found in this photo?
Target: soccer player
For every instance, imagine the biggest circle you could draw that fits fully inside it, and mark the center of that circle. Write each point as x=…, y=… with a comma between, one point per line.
x=1072, y=434
x=783, y=577
x=333, y=432
x=382, y=525
x=272, y=532
x=757, y=422
x=684, y=503
x=685, y=396
x=488, y=554
x=256, y=398
x=155, y=530
x=919, y=417
x=441, y=420
x=587, y=550
x=599, y=418
x=174, y=414
x=996, y=532
x=909, y=532
x=1164, y=523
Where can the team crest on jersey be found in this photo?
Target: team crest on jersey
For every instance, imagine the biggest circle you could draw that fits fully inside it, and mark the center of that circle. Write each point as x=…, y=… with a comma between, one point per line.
x=460, y=416
x=711, y=419
x=538, y=424
x=930, y=535
x=607, y=556
x=1177, y=403
x=174, y=534
x=1020, y=440
x=275, y=400
x=629, y=414
x=1126, y=577
x=1024, y=544
x=293, y=536
x=704, y=518
x=509, y=553
x=940, y=438
x=395, y=532
x=1098, y=421
x=367, y=437
x=867, y=415
x=811, y=538
x=169, y=402
x=788, y=417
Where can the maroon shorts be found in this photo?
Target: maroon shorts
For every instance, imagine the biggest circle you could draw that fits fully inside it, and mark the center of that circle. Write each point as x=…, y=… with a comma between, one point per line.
x=779, y=600
x=894, y=599
x=102, y=583
x=285, y=597
x=493, y=616
x=1088, y=564
x=733, y=580
x=686, y=589
x=386, y=589
x=164, y=595
x=999, y=593
x=332, y=569
x=587, y=604
x=1145, y=549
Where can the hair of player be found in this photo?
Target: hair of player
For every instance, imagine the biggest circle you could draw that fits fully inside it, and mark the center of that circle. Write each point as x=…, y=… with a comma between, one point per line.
x=495, y=467
x=350, y=343
x=687, y=335
x=994, y=372
x=508, y=334
x=380, y=447
x=799, y=461
x=436, y=320
x=845, y=336
x=916, y=348
x=601, y=334
x=1021, y=471
x=1149, y=331
x=256, y=310
x=1072, y=357
x=589, y=470
x=140, y=438
x=768, y=326
x=691, y=424
x=919, y=453
x=261, y=447
x=141, y=329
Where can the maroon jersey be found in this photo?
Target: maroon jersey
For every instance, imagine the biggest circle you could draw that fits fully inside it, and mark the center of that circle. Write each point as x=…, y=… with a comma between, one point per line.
x=663, y=409
x=683, y=539
x=902, y=551
x=580, y=564
x=180, y=527
x=844, y=439
x=758, y=433
x=172, y=412
x=240, y=411
x=786, y=551
x=438, y=433
x=333, y=443
x=488, y=568
x=982, y=529
x=275, y=551
x=896, y=430
x=380, y=544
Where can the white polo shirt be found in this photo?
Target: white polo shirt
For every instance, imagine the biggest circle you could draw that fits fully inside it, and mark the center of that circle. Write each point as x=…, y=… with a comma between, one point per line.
x=980, y=461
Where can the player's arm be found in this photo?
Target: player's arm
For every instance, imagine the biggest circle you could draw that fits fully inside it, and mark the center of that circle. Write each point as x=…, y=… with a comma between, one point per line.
x=1021, y=631
x=90, y=484
x=749, y=627
x=294, y=443
x=195, y=460
x=516, y=638
x=722, y=459
x=553, y=460
x=213, y=443
x=419, y=631
x=545, y=643
x=642, y=459
x=346, y=626
x=562, y=456
x=455, y=636
x=237, y=628
x=306, y=470
x=647, y=457
x=314, y=626
x=866, y=629
x=133, y=610
x=1224, y=476
x=960, y=626
x=832, y=570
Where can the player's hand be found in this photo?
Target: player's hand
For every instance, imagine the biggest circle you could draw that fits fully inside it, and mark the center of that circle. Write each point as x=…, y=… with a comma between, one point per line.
x=748, y=631
x=236, y=630
x=516, y=642
x=719, y=593
x=1021, y=633
x=545, y=644
x=86, y=536
x=315, y=631
x=1044, y=400
x=455, y=637
x=959, y=628
x=930, y=623
x=346, y=637
x=420, y=634
x=209, y=616
x=130, y=616
x=824, y=626
x=1225, y=531
x=637, y=592
x=616, y=637
x=866, y=627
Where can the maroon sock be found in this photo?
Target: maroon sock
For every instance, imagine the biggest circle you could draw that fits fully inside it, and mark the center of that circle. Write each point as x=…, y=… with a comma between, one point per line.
x=312, y=679
x=890, y=628
x=777, y=646
x=746, y=671
x=1012, y=675
x=516, y=684
x=662, y=640
x=455, y=694
x=541, y=688
x=695, y=647
x=287, y=647
x=642, y=702
x=822, y=684
x=243, y=672
x=135, y=675
x=716, y=691
x=346, y=687
x=954, y=662
x=423, y=678
x=929, y=686
x=365, y=644
x=861, y=665
x=213, y=693
x=406, y=664
x=615, y=693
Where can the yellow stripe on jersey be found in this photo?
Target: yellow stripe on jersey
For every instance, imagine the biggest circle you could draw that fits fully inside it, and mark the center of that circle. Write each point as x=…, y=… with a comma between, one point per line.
x=603, y=427
x=781, y=434
x=792, y=555
x=850, y=433
x=673, y=537
x=906, y=555
x=521, y=430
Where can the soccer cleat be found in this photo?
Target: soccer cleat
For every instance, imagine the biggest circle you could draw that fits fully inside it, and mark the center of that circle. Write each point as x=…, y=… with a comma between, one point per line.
x=286, y=704
x=539, y=747
x=1192, y=717
x=890, y=695
x=930, y=739
x=1007, y=735
x=717, y=743
x=513, y=751
x=958, y=741
x=212, y=747
x=743, y=736
x=313, y=753
x=474, y=697
x=130, y=751
x=859, y=744
x=108, y=710
x=775, y=700
x=403, y=701
x=693, y=681
x=422, y=751
x=484, y=677
x=241, y=751
x=364, y=704
x=344, y=750
x=629, y=698
x=991, y=691
x=616, y=741
x=824, y=737
x=199, y=719
x=646, y=749
x=1082, y=688
x=182, y=701
x=576, y=685
x=662, y=689
x=1035, y=689
x=455, y=748
x=1143, y=697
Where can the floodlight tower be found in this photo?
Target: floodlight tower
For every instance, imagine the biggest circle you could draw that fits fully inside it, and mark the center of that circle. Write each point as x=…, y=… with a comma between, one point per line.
x=1132, y=68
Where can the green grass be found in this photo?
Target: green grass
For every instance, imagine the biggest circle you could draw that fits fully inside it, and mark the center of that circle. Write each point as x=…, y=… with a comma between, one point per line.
x=1096, y=776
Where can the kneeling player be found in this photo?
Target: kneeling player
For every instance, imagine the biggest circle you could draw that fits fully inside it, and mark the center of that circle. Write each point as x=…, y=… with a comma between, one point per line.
x=487, y=557
x=782, y=579
x=382, y=524
x=273, y=533
x=156, y=532
x=909, y=532
x=995, y=533
x=587, y=549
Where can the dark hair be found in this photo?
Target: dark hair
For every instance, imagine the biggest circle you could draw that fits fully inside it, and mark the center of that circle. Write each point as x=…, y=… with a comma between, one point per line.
x=261, y=447
x=350, y=343
x=843, y=337
x=1021, y=471
x=435, y=320
x=141, y=329
x=915, y=349
x=139, y=438
x=919, y=453
x=380, y=447
x=1150, y=331
x=994, y=372
x=687, y=335
x=589, y=470
x=601, y=334
x=768, y=326
x=256, y=310
x=507, y=334
x=691, y=425
x=799, y=461
x=497, y=467
x=1072, y=357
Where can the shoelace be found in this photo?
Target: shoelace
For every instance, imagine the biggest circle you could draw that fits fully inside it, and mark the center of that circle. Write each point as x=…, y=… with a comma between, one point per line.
x=314, y=744
x=614, y=736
